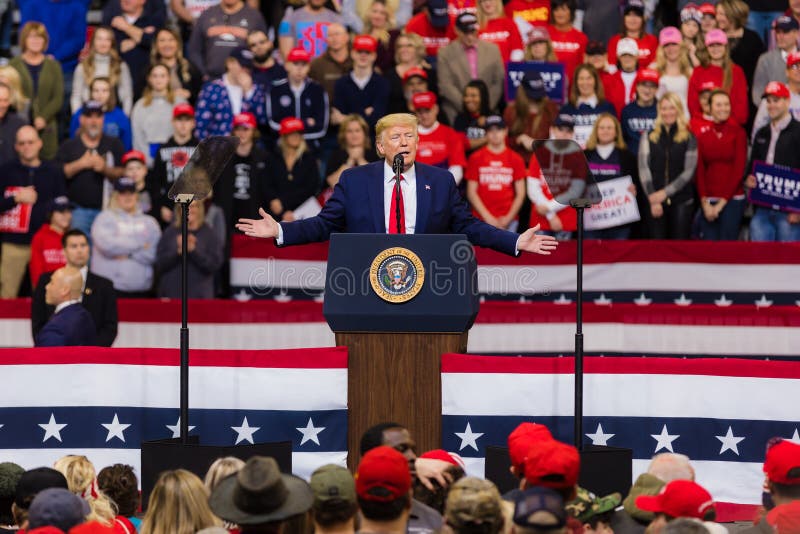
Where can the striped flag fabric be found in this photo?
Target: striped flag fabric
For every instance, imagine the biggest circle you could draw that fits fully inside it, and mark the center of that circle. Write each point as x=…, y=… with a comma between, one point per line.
x=719, y=412
x=103, y=403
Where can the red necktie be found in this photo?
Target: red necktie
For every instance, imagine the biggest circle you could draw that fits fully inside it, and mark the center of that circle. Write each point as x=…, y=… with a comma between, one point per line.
x=393, y=214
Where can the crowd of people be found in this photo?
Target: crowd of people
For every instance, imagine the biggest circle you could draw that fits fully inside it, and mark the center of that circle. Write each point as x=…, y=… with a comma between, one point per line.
x=393, y=491
x=682, y=98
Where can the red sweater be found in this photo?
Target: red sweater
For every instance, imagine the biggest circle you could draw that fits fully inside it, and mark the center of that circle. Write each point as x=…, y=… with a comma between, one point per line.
x=570, y=47
x=504, y=33
x=648, y=44
x=47, y=253
x=738, y=91
x=721, y=160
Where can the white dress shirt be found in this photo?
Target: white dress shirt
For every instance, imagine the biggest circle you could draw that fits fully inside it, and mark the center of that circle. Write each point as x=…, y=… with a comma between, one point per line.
x=408, y=186
x=65, y=304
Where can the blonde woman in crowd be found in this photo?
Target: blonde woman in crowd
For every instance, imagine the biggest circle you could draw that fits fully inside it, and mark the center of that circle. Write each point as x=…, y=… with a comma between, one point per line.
x=673, y=64
x=20, y=103
x=184, y=79
x=379, y=23
x=102, y=60
x=82, y=481
x=178, y=505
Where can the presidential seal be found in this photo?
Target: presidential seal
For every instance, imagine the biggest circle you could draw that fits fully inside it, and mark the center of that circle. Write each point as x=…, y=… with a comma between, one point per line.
x=397, y=275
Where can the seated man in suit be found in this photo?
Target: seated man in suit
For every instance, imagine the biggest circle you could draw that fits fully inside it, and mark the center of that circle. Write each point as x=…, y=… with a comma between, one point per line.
x=97, y=295
x=364, y=199
x=71, y=324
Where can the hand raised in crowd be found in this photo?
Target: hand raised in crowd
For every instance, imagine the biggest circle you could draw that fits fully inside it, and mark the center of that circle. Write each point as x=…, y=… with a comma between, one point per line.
x=530, y=241
x=26, y=195
x=428, y=469
x=264, y=227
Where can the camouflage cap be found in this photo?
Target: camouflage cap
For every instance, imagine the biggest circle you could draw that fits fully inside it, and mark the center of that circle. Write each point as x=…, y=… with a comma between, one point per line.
x=586, y=504
x=473, y=501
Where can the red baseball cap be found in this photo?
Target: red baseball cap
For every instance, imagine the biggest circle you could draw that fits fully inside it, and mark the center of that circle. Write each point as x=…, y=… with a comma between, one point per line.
x=383, y=475
x=182, y=110
x=647, y=76
x=415, y=71
x=424, y=100
x=707, y=9
x=552, y=464
x=441, y=454
x=776, y=89
x=679, y=498
x=365, y=43
x=246, y=119
x=133, y=155
x=522, y=439
x=708, y=86
x=291, y=125
x=298, y=55
x=782, y=464
x=792, y=59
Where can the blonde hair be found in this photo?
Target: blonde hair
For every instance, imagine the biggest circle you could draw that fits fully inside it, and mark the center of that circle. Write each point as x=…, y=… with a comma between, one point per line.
x=727, y=67
x=684, y=64
x=82, y=481
x=178, y=218
x=483, y=18
x=392, y=120
x=221, y=468
x=736, y=12
x=419, y=48
x=682, y=128
x=619, y=142
x=383, y=36
x=147, y=92
x=10, y=76
x=33, y=28
x=178, y=505
x=598, y=85
x=115, y=63
x=353, y=117
x=182, y=63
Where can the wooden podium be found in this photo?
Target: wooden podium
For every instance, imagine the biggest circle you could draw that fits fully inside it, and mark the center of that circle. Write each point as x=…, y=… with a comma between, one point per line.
x=398, y=302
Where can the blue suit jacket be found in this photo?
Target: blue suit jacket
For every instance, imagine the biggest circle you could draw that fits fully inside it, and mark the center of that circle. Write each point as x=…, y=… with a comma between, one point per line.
x=72, y=326
x=356, y=206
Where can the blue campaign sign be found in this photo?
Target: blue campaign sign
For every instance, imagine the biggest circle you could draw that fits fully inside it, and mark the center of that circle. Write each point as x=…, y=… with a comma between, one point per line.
x=776, y=187
x=552, y=75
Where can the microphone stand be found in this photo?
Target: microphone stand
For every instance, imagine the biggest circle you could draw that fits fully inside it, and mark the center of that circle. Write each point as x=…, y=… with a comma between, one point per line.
x=397, y=167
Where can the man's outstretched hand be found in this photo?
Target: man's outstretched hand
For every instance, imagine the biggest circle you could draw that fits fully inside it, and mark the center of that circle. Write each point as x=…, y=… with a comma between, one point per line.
x=530, y=241
x=264, y=227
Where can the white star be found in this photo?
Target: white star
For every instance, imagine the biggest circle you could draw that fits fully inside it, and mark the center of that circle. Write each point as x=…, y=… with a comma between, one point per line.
x=176, y=428
x=115, y=429
x=469, y=438
x=52, y=429
x=730, y=442
x=600, y=437
x=310, y=433
x=795, y=437
x=245, y=432
x=664, y=440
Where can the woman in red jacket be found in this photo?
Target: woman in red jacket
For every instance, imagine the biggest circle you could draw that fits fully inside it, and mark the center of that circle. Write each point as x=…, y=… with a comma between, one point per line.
x=721, y=160
x=720, y=70
x=497, y=28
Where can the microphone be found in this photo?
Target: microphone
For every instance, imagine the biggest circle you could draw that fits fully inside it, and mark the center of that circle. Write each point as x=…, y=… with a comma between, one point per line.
x=397, y=163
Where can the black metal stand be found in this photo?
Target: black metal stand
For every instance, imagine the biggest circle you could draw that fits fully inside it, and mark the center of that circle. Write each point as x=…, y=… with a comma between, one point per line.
x=579, y=204
x=184, y=387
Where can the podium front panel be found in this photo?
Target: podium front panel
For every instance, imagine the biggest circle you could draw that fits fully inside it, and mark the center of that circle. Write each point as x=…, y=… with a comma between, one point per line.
x=401, y=283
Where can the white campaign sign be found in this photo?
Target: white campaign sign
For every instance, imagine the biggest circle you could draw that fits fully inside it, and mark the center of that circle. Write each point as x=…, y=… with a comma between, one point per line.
x=617, y=207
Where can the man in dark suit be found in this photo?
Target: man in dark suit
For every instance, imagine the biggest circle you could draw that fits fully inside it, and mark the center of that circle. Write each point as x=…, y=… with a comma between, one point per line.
x=364, y=201
x=71, y=324
x=97, y=295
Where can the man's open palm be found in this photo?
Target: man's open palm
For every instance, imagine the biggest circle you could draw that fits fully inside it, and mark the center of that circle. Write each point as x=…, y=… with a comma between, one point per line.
x=264, y=227
x=530, y=241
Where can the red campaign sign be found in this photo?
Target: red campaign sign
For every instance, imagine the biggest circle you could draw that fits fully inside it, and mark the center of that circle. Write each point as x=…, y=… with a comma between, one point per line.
x=18, y=219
